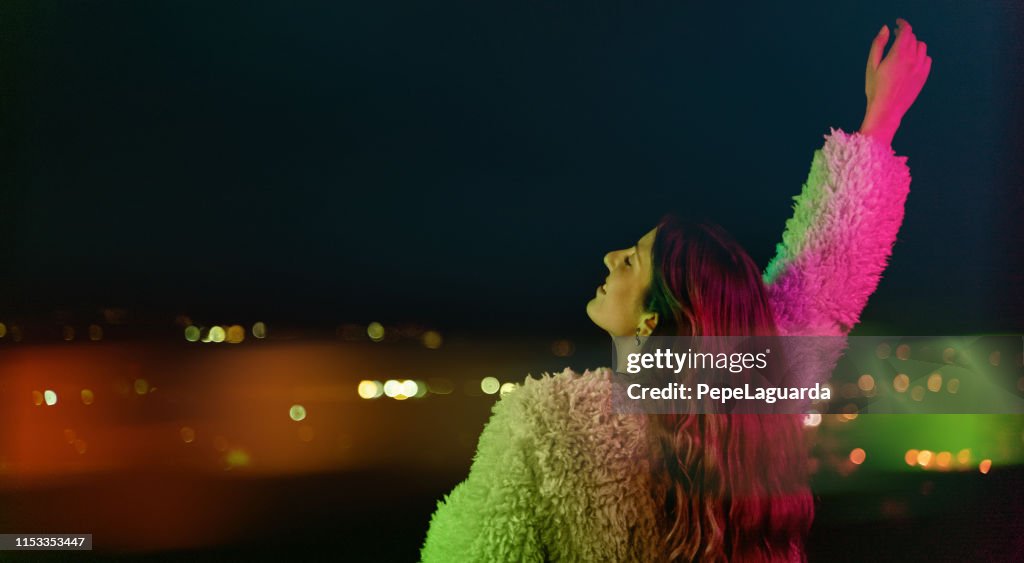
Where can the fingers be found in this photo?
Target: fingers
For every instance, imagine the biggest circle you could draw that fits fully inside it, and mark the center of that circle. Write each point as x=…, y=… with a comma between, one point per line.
x=909, y=49
x=925, y=66
x=905, y=40
x=877, y=47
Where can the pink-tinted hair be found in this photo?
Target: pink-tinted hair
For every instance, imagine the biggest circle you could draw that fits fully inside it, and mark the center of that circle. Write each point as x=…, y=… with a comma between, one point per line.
x=733, y=487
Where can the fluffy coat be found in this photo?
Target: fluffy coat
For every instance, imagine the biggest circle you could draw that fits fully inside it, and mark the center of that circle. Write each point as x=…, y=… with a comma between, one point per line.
x=558, y=476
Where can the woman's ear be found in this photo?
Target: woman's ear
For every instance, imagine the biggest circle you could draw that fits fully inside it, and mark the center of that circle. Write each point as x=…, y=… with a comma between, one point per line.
x=648, y=322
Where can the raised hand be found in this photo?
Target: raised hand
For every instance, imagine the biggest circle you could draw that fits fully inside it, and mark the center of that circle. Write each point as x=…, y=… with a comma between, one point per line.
x=893, y=83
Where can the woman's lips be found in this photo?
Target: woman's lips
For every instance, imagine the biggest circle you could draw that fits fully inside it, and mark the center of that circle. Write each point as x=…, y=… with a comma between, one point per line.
x=602, y=289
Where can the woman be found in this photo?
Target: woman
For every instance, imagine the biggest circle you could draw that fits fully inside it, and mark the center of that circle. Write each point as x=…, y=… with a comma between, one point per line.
x=559, y=477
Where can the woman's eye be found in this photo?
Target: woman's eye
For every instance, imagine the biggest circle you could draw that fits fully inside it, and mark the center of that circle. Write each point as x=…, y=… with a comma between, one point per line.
x=628, y=263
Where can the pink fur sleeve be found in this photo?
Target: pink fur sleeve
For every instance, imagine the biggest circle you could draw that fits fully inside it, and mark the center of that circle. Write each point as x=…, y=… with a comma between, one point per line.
x=840, y=237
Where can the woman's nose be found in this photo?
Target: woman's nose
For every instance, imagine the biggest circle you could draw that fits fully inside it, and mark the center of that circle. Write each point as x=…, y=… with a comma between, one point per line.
x=608, y=260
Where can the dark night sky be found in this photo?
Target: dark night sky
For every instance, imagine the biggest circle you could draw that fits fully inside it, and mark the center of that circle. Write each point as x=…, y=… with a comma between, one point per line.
x=468, y=163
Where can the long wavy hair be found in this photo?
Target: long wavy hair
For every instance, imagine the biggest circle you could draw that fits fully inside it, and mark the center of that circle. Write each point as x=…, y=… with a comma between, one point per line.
x=732, y=487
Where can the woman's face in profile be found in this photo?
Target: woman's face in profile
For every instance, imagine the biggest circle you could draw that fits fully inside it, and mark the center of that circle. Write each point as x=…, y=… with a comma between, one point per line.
x=618, y=306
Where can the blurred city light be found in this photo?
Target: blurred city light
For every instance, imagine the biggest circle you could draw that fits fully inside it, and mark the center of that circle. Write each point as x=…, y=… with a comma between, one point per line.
x=866, y=382
x=812, y=419
x=562, y=348
x=237, y=458
x=489, y=385
x=883, y=351
x=911, y=457
x=370, y=389
x=375, y=331
x=141, y=386
x=901, y=382
x=392, y=388
x=949, y=355
x=440, y=386
x=409, y=388
x=924, y=458
x=903, y=351
x=994, y=358
x=432, y=339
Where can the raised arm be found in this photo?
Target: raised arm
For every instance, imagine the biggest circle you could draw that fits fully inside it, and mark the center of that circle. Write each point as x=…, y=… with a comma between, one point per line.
x=845, y=219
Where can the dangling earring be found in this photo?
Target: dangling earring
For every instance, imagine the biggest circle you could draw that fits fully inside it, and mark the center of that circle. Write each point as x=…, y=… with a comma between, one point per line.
x=638, y=336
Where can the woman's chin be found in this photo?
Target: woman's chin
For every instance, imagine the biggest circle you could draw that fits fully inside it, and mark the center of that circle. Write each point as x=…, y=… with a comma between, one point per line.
x=591, y=308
